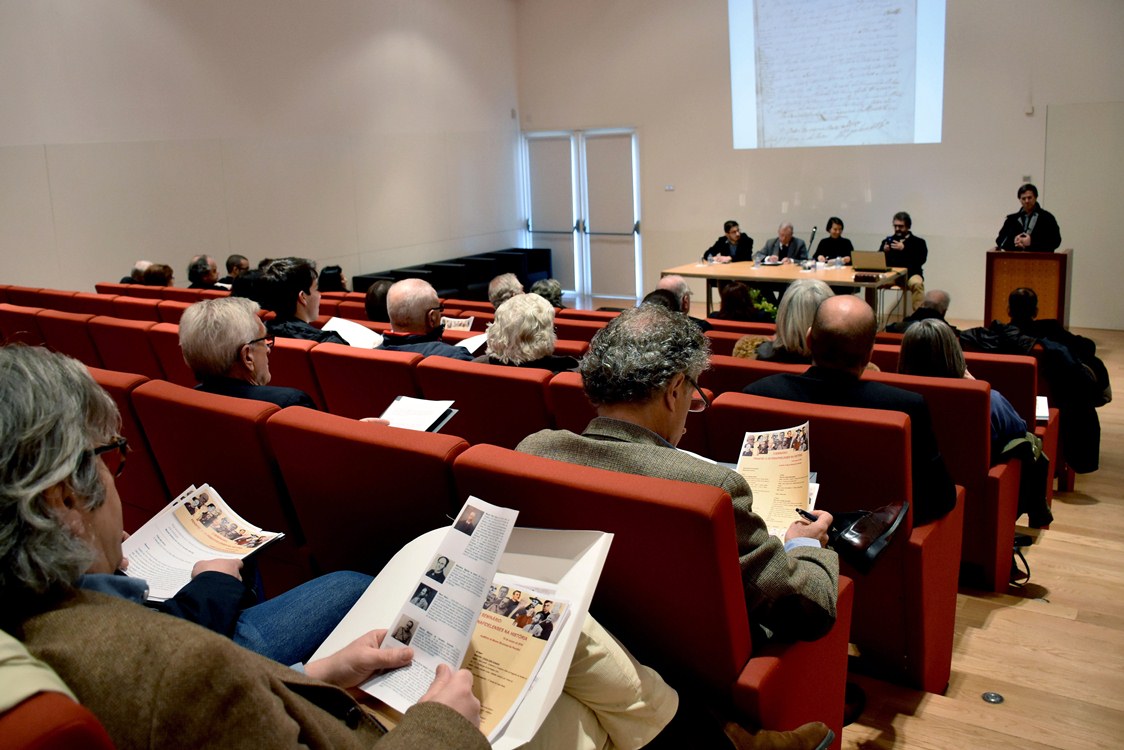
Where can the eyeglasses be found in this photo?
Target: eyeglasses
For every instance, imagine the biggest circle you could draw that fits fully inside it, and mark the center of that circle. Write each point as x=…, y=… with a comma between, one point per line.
x=699, y=401
x=439, y=308
x=900, y=227
x=115, y=462
x=267, y=339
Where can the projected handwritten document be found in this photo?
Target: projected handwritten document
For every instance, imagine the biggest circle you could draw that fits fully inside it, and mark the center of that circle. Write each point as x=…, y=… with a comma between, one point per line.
x=836, y=72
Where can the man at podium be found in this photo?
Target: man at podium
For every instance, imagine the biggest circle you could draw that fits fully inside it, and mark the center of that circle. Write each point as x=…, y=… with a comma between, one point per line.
x=1030, y=228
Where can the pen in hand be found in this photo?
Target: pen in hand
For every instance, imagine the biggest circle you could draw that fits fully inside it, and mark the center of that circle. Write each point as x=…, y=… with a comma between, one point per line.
x=806, y=515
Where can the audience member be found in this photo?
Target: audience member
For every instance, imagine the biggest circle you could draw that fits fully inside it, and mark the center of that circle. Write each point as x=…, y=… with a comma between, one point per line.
x=289, y=288
x=202, y=272
x=841, y=341
x=375, y=302
x=550, y=290
x=933, y=307
x=1030, y=228
x=248, y=285
x=226, y=345
x=161, y=681
x=783, y=248
x=905, y=249
x=332, y=279
x=158, y=274
x=835, y=245
x=737, y=304
x=522, y=335
x=415, y=321
x=236, y=265
x=733, y=246
x=641, y=372
x=677, y=285
x=931, y=348
x=794, y=318
x=136, y=276
x=502, y=288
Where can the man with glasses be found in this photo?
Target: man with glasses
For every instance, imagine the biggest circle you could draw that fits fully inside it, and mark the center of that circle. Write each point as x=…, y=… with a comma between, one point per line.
x=226, y=345
x=415, y=321
x=905, y=249
x=641, y=371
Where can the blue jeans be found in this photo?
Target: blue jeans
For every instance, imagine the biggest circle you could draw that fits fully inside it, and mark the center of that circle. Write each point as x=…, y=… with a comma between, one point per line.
x=290, y=627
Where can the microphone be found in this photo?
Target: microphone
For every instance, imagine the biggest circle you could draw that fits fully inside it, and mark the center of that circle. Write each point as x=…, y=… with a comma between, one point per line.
x=812, y=240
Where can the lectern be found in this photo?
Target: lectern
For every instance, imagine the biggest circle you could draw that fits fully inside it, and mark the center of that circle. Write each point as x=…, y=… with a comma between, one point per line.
x=1048, y=274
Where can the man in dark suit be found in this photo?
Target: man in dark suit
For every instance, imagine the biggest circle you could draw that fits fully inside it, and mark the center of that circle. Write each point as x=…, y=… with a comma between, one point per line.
x=225, y=344
x=841, y=340
x=731, y=247
x=1031, y=227
x=784, y=247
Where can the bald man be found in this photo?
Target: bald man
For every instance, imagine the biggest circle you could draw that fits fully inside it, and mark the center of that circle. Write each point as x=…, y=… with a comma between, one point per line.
x=841, y=340
x=415, y=321
x=677, y=285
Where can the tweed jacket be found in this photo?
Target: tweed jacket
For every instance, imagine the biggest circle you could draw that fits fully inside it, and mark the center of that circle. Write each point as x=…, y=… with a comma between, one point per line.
x=792, y=594
x=156, y=681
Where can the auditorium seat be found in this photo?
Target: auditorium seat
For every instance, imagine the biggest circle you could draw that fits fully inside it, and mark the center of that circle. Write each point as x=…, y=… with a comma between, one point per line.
x=141, y=485
x=496, y=404
x=352, y=310
x=124, y=345
x=200, y=438
x=598, y=316
x=136, y=308
x=722, y=342
x=213, y=293
x=69, y=333
x=469, y=305
x=961, y=411
x=727, y=374
x=55, y=299
x=105, y=287
x=905, y=607
x=52, y=721
x=574, y=329
x=779, y=687
x=362, y=491
x=171, y=310
x=179, y=294
x=290, y=367
x=18, y=324
x=24, y=296
x=95, y=304
x=742, y=328
x=143, y=291
x=165, y=340
x=361, y=383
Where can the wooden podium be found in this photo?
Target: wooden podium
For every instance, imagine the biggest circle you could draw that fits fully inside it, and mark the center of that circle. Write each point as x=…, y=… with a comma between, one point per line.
x=1048, y=274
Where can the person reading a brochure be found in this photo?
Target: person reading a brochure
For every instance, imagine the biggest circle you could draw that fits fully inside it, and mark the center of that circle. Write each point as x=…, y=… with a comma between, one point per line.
x=155, y=680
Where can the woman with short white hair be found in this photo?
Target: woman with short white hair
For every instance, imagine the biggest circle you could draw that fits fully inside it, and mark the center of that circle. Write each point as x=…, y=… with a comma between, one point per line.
x=523, y=336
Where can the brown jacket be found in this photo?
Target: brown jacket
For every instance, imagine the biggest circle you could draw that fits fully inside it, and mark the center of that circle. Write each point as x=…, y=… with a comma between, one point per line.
x=791, y=593
x=156, y=681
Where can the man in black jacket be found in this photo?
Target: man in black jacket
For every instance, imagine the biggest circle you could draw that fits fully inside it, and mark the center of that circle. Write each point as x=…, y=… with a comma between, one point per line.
x=1030, y=228
x=732, y=247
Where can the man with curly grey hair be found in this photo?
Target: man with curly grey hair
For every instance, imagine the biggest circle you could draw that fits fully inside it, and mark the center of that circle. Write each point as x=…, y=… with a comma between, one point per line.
x=641, y=372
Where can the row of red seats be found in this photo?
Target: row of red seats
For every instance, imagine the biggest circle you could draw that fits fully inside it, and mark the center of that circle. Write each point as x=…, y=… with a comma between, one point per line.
x=349, y=494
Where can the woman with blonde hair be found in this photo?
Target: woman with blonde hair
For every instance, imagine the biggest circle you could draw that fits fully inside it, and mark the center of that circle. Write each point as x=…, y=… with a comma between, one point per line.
x=794, y=318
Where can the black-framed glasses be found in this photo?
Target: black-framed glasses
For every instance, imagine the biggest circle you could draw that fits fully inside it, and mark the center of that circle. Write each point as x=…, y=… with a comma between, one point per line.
x=439, y=308
x=699, y=401
x=113, y=454
x=267, y=339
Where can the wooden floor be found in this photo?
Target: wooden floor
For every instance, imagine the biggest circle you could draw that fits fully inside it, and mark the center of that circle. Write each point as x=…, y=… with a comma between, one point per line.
x=1054, y=650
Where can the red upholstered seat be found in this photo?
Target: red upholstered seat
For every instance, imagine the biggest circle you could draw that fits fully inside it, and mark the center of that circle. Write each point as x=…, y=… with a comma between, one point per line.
x=574, y=329
x=361, y=491
x=179, y=294
x=165, y=341
x=673, y=542
x=55, y=299
x=885, y=356
x=171, y=310
x=352, y=310
x=18, y=324
x=742, y=328
x=24, y=296
x=290, y=367
x=735, y=373
x=961, y=411
x=144, y=291
x=141, y=485
x=470, y=305
x=105, y=287
x=69, y=333
x=498, y=405
x=201, y=438
x=124, y=345
x=361, y=383
x=598, y=316
x=52, y=721
x=95, y=304
x=905, y=607
x=136, y=308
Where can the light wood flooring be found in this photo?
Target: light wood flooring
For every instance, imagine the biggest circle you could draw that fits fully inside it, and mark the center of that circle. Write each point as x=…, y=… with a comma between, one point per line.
x=1054, y=650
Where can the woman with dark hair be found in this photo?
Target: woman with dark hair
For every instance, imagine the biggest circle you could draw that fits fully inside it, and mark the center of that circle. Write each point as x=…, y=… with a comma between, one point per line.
x=737, y=304
x=375, y=302
x=835, y=245
x=158, y=274
x=930, y=348
x=332, y=279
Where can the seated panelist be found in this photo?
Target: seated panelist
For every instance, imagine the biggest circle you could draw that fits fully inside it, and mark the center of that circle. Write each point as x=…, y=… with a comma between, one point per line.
x=733, y=246
x=835, y=245
x=783, y=248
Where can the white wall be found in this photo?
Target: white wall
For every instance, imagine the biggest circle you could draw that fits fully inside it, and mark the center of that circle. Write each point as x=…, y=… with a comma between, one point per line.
x=370, y=134
x=662, y=66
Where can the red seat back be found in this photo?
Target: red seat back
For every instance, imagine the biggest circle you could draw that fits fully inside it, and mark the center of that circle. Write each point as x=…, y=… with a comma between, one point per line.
x=646, y=516
x=732, y=374
x=165, y=340
x=54, y=299
x=95, y=304
x=291, y=367
x=574, y=329
x=24, y=296
x=353, y=518
x=361, y=383
x=597, y=316
x=742, y=328
x=136, y=308
x=18, y=324
x=141, y=485
x=498, y=405
x=171, y=310
x=124, y=345
x=105, y=287
x=1016, y=377
x=69, y=333
x=52, y=721
x=352, y=310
